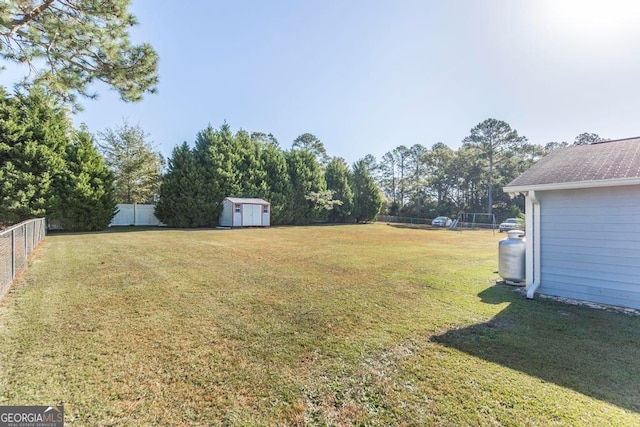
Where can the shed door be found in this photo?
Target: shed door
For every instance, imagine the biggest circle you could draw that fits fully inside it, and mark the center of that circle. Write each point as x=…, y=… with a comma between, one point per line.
x=251, y=215
x=237, y=215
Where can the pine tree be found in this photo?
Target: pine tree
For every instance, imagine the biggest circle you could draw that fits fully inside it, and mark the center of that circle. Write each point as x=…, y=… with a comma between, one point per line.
x=367, y=199
x=70, y=44
x=134, y=162
x=337, y=176
x=34, y=133
x=310, y=142
x=86, y=191
x=251, y=172
x=492, y=138
x=217, y=157
x=276, y=178
x=182, y=202
x=306, y=177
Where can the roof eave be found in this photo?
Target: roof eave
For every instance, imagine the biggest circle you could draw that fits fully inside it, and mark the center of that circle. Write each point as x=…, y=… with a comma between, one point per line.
x=572, y=185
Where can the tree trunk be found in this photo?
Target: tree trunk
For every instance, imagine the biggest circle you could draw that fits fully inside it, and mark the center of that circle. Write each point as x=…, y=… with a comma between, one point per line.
x=490, y=198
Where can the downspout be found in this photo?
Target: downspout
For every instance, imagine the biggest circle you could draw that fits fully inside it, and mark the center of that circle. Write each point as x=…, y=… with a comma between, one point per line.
x=532, y=267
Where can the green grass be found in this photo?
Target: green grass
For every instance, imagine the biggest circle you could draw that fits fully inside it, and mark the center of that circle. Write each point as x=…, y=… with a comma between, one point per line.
x=344, y=325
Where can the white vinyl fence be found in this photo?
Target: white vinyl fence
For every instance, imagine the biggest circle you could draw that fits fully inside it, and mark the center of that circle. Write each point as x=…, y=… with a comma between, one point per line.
x=135, y=214
x=16, y=244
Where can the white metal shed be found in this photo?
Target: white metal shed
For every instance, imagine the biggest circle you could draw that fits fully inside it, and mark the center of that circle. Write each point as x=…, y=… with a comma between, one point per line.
x=245, y=212
x=583, y=223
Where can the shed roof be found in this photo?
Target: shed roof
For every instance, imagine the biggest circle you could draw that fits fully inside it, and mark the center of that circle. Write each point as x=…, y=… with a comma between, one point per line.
x=594, y=165
x=246, y=200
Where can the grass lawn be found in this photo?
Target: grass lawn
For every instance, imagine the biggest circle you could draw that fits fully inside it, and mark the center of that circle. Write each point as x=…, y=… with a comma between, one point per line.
x=343, y=325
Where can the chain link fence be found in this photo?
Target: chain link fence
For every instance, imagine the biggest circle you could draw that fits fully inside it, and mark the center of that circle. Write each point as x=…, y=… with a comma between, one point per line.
x=16, y=244
x=403, y=219
x=471, y=221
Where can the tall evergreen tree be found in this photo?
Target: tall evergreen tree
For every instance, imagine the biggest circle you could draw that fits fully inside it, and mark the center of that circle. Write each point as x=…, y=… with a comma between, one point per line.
x=468, y=171
x=554, y=145
x=491, y=138
x=388, y=175
x=72, y=43
x=86, y=191
x=310, y=142
x=306, y=177
x=441, y=175
x=217, y=156
x=367, y=199
x=251, y=172
x=402, y=154
x=586, y=138
x=264, y=138
x=371, y=164
x=135, y=163
x=34, y=133
x=416, y=176
x=337, y=176
x=182, y=201
x=276, y=179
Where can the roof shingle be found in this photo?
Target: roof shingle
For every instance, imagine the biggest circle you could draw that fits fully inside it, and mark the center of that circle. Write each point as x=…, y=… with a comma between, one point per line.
x=601, y=161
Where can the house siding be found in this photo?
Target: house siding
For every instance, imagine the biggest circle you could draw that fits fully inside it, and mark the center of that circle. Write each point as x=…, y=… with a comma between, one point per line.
x=590, y=244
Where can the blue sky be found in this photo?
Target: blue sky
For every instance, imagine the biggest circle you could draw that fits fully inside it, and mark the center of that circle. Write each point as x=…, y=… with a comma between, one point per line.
x=368, y=76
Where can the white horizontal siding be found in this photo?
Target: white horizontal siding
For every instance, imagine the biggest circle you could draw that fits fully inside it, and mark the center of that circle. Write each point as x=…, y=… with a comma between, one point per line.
x=594, y=294
x=578, y=241
x=226, y=219
x=590, y=244
x=596, y=263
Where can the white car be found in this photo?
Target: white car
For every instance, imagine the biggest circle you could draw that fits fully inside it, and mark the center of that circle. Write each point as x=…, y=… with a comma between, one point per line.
x=510, y=224
x=441, y=221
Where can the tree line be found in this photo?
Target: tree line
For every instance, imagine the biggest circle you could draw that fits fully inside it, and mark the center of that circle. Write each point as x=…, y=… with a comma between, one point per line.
x=48, y=168
x=75, y=179
x=418, y=181
x=302, y=184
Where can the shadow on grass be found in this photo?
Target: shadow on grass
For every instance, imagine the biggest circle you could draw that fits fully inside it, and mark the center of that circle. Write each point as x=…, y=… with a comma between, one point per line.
x=593, y=352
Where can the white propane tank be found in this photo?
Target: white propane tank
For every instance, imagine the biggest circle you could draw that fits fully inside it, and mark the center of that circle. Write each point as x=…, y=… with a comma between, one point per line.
x=511, y=258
